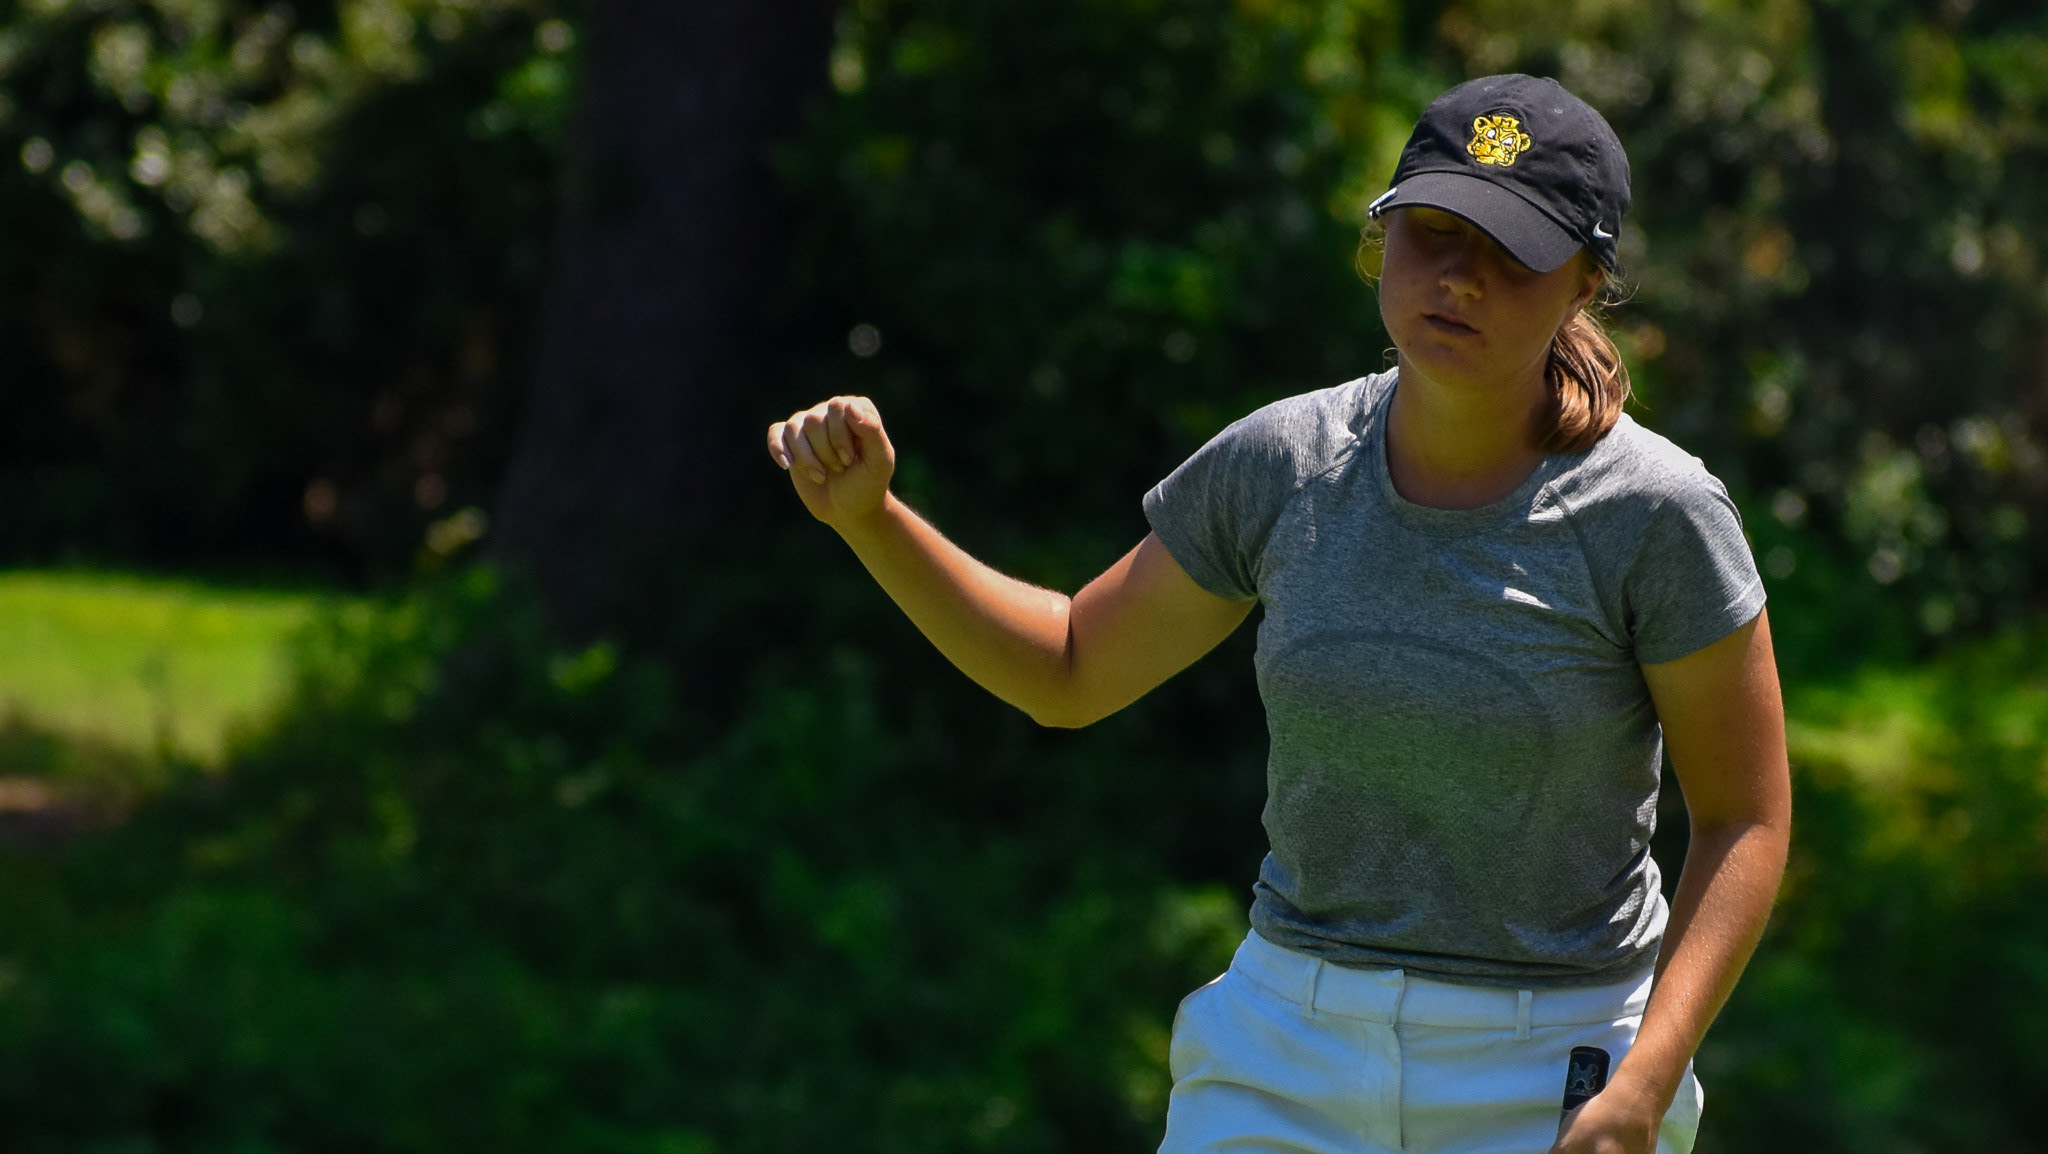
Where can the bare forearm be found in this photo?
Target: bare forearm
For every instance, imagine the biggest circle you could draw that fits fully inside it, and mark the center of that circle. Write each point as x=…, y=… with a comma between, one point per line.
x=1724, y=728
x=1065, y=661
x=1724, y=897
x=1010, y=637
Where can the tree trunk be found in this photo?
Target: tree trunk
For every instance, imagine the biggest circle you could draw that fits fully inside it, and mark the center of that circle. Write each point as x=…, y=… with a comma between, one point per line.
x=668, y=245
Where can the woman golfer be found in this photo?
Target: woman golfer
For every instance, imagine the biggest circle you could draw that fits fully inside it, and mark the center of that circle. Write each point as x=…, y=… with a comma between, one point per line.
x=1492, y=601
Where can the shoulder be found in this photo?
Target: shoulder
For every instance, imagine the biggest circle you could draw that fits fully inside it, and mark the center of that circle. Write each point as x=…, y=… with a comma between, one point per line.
x=1303, y=435
x=1633, y=473
x=1665, y=541
x=1215, y=511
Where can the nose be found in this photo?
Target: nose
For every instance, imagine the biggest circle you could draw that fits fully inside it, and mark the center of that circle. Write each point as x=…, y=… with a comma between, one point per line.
x=1464, y=267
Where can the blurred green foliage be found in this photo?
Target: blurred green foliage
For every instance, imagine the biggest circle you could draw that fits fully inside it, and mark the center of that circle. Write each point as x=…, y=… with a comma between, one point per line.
x=476, y=893
x=1897, y=1004
x=270, y=273
x=765, y=874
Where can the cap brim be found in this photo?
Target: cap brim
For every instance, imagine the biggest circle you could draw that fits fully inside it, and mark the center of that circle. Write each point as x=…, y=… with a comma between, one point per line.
x=1516, y=225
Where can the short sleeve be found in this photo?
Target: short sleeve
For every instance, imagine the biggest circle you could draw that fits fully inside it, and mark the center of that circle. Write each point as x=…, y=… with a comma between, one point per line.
x=1214, y=512
x=1692, y=580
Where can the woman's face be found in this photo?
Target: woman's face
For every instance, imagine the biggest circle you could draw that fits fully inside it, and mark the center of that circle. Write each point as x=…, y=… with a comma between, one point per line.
x=1466, y=314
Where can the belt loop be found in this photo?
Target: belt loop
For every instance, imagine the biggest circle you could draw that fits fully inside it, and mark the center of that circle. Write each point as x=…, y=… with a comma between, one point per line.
x=1523, y=1002
x=1400, y=995
x=1315, y=982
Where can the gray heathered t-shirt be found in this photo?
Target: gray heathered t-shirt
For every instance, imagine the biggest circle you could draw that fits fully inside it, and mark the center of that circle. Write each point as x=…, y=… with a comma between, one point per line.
x=1464, y=765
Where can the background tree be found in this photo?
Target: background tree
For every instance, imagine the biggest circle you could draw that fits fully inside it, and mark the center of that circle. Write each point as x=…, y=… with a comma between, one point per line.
x=668, y=248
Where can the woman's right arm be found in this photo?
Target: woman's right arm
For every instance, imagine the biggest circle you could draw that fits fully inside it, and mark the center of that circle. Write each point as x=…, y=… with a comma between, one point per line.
x=1065, y=661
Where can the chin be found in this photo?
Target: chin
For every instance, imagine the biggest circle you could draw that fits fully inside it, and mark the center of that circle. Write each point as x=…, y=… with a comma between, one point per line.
x=1449, y=371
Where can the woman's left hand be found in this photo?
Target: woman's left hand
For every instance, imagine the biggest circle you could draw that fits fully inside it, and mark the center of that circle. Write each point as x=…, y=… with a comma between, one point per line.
x=1617, y=1120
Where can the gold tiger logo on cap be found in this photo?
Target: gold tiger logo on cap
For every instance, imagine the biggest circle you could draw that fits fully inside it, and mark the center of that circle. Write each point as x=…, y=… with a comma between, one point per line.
x=1497, y=140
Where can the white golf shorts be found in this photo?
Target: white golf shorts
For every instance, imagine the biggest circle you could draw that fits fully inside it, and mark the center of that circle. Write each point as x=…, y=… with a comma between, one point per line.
x=1287, y=1054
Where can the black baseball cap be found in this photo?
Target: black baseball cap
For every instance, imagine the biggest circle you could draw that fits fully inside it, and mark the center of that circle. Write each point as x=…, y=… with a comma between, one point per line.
x=1531, y=165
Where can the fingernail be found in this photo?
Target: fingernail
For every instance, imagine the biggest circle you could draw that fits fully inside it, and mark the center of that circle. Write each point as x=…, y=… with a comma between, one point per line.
x=817, y=476
x=845, y=458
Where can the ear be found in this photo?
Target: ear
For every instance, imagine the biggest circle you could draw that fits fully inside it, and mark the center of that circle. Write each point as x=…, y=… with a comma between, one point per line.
x=1592, y=277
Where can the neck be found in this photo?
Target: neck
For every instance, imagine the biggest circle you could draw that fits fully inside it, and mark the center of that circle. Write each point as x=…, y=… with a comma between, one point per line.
x=1453, y=448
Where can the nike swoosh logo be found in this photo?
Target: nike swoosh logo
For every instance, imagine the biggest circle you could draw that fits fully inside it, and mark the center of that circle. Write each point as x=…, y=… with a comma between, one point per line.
x=1601, y=233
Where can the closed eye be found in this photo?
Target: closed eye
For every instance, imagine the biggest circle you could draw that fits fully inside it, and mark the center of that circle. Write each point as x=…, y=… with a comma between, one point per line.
x=1440, y=224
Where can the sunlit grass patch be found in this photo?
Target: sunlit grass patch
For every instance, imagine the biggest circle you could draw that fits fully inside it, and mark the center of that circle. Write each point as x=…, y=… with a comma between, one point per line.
x=138, y=666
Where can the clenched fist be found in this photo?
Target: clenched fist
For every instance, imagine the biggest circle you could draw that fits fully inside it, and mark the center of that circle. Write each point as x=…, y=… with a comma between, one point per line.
x=837, y=456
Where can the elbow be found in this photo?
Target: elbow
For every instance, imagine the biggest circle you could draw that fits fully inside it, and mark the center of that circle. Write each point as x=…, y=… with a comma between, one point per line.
x=1062, y=701
x=1764, y=839
x=1066, y=711
x=1057, y=717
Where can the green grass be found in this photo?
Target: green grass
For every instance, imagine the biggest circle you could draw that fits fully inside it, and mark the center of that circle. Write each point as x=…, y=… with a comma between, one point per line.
x=144, y=667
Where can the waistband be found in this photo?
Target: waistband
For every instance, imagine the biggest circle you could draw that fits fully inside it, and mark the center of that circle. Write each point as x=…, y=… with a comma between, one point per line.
x=1396, y=996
